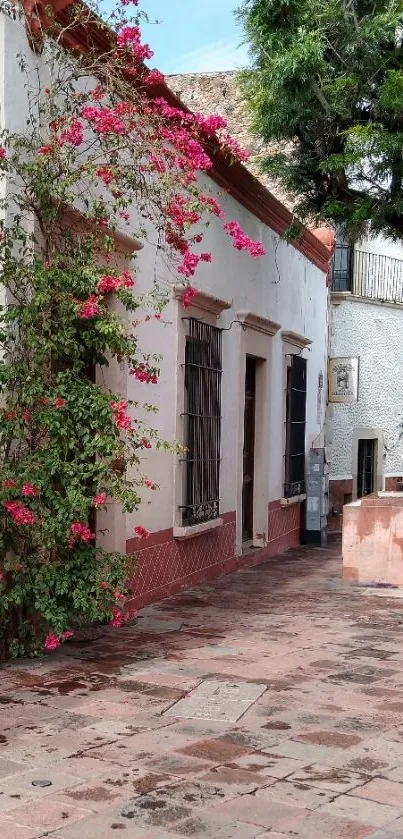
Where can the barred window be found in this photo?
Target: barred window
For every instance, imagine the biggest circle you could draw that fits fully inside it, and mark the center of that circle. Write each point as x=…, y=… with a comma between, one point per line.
x=295, y=428
x=203, y=370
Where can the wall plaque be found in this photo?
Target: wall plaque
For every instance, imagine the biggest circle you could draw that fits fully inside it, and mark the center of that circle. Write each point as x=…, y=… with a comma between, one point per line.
x=343, y=380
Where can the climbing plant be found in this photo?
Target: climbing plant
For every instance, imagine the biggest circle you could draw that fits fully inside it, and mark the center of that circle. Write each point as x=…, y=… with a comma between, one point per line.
x=100, y=154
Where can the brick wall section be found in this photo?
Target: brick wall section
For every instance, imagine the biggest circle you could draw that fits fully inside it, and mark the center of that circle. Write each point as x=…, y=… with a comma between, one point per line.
x=220, y=93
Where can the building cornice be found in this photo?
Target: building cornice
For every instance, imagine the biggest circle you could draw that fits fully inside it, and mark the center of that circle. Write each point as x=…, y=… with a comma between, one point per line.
x=204, y=301
x=295, y=339
x=259, y=324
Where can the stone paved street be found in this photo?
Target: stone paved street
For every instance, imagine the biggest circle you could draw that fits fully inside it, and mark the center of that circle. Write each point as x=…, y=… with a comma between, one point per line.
x=289, y=686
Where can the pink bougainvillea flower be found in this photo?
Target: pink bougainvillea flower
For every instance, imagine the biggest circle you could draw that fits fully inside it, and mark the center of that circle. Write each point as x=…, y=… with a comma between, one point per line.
x=9, y=484
x=104, y=585
x=141, y=532
x=150, y=484
x=103, y=120
x=44, y=150
x=209, y=125
x=129, y=38
x=81, y=531
x=242, y=242
x=26, y=415
x=118, y=595
x=18, y=567
x=122, y=419
x=88, y=308
x=18, y=512
x=127, y=279
x=155, y=77
x=52, y=642
x=74, y=134
x=99, y=500
x=2, y=152
x=108, y=284
x=189, y=264
x=59, y=402
x=29, y=489
x=144, y=373
x=105, y=174
x=145, y=443
x=68, y=633
x=231, y=144
x=188, y=295
x=117, y=619
x=158, y=316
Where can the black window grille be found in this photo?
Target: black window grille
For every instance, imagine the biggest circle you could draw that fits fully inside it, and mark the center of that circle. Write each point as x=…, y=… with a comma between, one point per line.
x=342, y=268
x=366, y=467
x=295, y=428
x=203, y=370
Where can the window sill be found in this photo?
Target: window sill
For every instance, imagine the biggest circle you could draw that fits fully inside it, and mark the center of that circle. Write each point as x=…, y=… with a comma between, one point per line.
x=337, y=297
x=296, y=499
x=182, y=533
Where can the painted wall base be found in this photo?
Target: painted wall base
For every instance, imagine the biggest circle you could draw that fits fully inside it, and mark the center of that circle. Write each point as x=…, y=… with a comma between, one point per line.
x=166, y=565
x=373, y=540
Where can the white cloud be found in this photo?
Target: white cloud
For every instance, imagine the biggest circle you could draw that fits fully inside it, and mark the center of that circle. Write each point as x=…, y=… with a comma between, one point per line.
x=211, y=58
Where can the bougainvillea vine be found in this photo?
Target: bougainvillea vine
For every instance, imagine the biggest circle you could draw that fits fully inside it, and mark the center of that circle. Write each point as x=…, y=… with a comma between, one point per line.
x=103, y=155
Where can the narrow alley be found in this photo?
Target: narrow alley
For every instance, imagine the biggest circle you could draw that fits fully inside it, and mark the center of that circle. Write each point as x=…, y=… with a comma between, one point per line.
x=267, y=703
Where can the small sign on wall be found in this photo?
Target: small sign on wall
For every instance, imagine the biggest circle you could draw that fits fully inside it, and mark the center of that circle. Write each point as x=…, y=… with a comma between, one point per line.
x=343, y=380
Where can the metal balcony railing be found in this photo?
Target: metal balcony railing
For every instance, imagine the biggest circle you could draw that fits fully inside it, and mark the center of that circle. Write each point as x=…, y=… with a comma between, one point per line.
x=371, y=275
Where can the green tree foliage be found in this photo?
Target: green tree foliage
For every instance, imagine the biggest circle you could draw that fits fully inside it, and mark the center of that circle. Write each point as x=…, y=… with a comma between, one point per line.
x=327, y=76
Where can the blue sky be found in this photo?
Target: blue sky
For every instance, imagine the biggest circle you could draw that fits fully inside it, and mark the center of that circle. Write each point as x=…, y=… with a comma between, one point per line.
x=194, y=35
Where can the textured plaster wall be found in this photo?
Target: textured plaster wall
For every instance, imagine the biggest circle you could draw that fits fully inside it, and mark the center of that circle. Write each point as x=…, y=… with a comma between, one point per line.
x=374, y=333
x=220, y=93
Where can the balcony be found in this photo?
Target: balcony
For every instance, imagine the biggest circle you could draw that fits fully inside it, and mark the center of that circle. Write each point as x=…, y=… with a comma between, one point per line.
x=370, y=275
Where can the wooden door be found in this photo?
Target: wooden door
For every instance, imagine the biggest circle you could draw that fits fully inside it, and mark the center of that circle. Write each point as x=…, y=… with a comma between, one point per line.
x=249, y=450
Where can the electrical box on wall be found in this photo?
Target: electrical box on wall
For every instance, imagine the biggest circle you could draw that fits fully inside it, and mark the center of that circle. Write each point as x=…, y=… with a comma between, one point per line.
x=317, y=498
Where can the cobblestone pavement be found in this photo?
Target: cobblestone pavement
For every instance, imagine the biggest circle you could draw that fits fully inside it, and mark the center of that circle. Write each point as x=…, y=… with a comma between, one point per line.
x=288, y=724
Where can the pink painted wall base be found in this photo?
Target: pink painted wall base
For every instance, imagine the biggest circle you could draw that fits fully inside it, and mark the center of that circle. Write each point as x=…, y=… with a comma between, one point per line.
x=166, y=565
x=373, y=540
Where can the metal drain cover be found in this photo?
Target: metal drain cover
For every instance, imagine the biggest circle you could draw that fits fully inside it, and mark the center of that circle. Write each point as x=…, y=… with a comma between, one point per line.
x=217, y=700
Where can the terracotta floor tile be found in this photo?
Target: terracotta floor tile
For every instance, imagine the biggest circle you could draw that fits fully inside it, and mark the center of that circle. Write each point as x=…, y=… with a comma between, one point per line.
x=361, y=809
x=320, y=825
x=259, y=810
x=9, y=830
x=47, y=814
x=326, y=727
x=382, y=791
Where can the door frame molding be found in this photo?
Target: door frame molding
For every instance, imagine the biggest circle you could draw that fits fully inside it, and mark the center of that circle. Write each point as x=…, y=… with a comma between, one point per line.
x=367, y=433
x=255, y=342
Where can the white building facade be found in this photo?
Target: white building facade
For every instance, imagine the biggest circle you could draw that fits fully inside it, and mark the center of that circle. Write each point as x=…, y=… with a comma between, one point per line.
x=364, y=435
x=242, y=385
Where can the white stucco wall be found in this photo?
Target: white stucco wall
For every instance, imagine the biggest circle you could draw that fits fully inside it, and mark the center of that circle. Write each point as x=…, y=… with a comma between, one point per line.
x=374, y=333
x=382, y=245
x=284, y=287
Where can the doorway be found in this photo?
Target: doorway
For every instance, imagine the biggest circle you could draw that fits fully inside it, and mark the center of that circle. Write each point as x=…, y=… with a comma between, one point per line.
x=249, y=450
x=366, y=473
